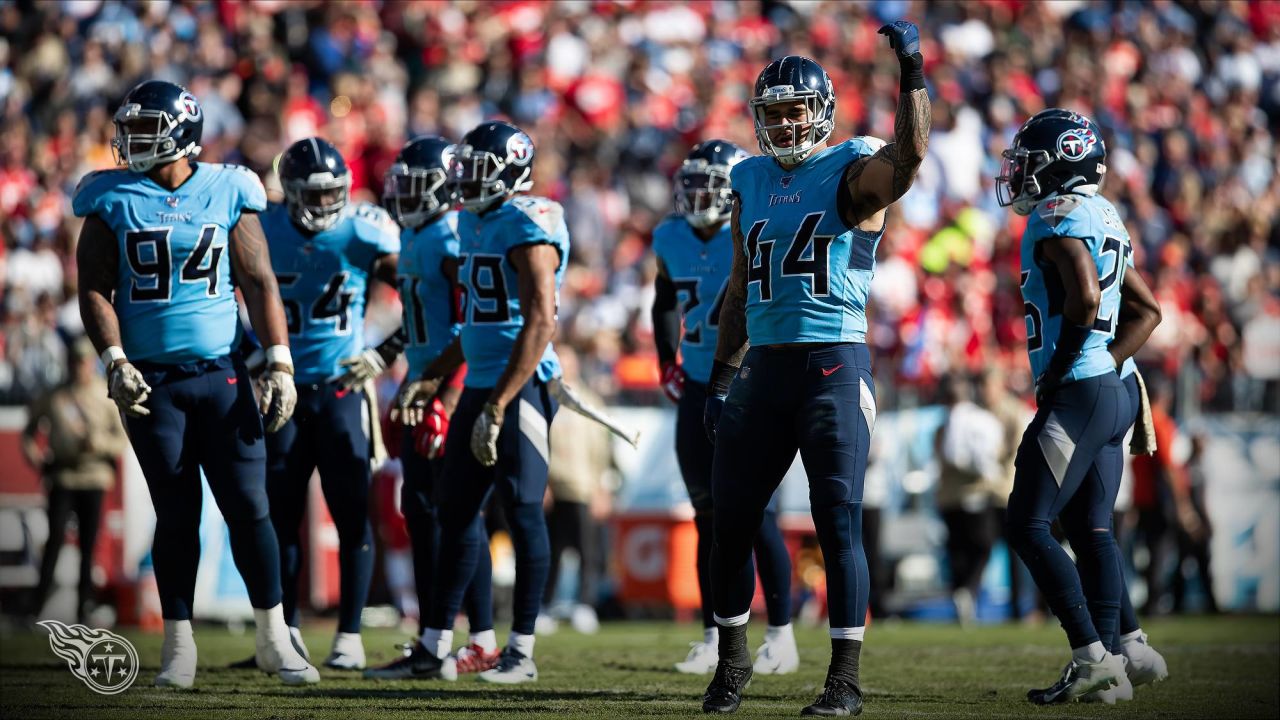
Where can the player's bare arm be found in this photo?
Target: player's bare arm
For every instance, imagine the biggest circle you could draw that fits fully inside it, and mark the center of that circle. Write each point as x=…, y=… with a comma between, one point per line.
x=251, y=263
x=1139, y=316
x=98, y=257
x=732, y=343
x=665, y=314
x=384, y=268
x=536, y=267
x=873, y=183
x=1079, y=275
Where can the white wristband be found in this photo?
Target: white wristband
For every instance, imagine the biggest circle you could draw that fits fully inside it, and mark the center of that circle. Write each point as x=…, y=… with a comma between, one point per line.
x=113, y=354
x=279, y=354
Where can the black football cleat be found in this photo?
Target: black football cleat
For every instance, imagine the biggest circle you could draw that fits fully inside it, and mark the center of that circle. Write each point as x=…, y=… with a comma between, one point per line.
x=838, y=699
x=418, y=664
x=724, y=694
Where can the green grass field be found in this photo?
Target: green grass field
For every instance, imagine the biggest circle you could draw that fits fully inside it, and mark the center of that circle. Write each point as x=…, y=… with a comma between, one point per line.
x=1221, y=668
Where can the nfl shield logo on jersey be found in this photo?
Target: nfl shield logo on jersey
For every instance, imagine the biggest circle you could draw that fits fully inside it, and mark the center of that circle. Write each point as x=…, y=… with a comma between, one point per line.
x=786, y=181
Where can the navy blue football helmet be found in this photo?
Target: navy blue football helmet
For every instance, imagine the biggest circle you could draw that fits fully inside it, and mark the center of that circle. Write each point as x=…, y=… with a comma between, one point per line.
x=703, y=194
x=493, y=162
x=316, y=182
x=1055, y=151
x=791, y=79
x=157, y=123
x=415, y=188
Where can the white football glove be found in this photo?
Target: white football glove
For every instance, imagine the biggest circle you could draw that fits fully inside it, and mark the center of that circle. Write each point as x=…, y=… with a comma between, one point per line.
x=277, y=397
x=484, y=435
x=410, y=404
x=128, y=389
x=368, y=365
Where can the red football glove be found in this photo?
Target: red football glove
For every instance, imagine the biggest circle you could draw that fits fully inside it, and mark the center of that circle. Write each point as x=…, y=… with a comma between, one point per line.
x=673, y=381
x=428, y=435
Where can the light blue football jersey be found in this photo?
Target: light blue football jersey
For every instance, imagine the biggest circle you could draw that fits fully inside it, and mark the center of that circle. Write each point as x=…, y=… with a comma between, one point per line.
x=174, y=296
x=1093, y=220
x=699, y=270
x=492, y=317
x=430, y=317
x=808, y=276
x=324, y=280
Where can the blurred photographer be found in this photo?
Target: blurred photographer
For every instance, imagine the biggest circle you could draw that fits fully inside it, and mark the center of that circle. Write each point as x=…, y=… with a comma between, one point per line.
x=83, y=439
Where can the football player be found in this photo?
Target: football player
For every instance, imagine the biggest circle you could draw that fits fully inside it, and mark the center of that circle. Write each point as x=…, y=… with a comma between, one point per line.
x=513, y=250
x=324, y=250
x=1075, y=253
x=1139, y=314
x=805, y=227
x=694, y=249
x=417, y=193
x=160, y=242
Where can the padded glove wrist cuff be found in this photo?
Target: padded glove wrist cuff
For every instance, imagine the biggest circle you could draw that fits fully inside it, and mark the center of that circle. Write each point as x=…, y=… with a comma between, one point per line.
x=721, y=377
x=912, y=77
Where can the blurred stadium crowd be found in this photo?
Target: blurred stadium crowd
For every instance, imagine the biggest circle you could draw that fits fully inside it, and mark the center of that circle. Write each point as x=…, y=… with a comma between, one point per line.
x=614, y=93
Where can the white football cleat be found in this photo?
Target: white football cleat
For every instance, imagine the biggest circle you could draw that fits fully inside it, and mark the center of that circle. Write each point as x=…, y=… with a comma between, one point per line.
x=347, y=652
x=295, y=637
x=584, y=619
x=1122, y=692
x=512, y=668
x=702, y=659
x=1145, y=665
x=777, y=656
x=545, y=625
x=1080, y=679
x=277, y=655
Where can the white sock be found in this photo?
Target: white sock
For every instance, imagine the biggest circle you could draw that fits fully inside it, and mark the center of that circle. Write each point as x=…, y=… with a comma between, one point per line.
x=437, y=642
x=178, y=651
x=271, y=625
x=849, y=633
x=1094, y=652
x=178, y=632
x=778, y=632
x=711, y=635
x=177, y=636
x=522, y=644
x=487, y=640
x=347, y=642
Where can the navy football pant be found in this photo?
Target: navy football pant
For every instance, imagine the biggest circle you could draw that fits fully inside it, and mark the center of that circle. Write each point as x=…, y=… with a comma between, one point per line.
x=203, y=415
x=329, y=430
x=520, y=476
x=819, y=400
x=418, y=504
x=1066, y=467
x=695, y=454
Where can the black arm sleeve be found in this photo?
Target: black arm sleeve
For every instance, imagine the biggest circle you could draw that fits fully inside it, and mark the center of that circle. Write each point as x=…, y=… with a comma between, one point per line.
x=666, y=319
x=390, y=348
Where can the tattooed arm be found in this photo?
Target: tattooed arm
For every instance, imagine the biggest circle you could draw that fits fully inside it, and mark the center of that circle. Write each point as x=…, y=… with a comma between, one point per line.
x=98, y=259
x=251, y=264
x=873, y=183
x=732, y=343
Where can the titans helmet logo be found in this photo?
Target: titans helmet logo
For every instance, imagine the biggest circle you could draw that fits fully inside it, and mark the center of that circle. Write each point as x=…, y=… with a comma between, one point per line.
x=520, y=149
x=189, y=106
x=105, y=662
x=1076, y=143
